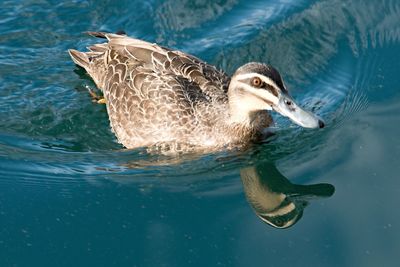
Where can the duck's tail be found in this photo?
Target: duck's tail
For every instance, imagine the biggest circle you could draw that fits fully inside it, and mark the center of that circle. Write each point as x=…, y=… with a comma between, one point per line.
x=93, y=60
x=80, y=58
x=84, y=59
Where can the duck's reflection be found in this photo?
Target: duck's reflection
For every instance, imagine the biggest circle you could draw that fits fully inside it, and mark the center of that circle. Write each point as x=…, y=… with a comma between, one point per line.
x=274, y=198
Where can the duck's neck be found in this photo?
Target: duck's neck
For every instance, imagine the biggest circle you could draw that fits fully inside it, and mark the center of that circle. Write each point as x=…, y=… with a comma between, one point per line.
x=240, y=118
x=246, y=113
x=240, y=112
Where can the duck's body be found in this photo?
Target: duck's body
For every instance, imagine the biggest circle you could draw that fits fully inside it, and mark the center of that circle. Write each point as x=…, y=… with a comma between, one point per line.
x=157, y=96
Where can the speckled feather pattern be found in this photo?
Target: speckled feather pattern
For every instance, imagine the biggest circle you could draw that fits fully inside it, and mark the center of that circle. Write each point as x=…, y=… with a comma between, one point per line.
x=160, y=98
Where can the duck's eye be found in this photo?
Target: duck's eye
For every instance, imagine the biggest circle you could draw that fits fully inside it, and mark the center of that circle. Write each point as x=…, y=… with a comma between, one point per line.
x=256, y=82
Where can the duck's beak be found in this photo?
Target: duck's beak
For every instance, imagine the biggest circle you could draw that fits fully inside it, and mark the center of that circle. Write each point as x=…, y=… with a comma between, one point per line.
x=288, y=108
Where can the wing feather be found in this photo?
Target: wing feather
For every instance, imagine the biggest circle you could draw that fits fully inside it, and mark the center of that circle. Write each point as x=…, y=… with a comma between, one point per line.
x=212, y=82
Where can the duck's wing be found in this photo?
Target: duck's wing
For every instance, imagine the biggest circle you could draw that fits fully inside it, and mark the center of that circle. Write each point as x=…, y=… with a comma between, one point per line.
x=153, y=94
x=212, y=82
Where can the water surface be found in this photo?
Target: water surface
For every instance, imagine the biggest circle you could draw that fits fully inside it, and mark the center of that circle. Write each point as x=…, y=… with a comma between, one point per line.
x=70, y=195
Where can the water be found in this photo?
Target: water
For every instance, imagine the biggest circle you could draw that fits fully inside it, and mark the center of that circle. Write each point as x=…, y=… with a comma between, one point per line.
x=72, y=196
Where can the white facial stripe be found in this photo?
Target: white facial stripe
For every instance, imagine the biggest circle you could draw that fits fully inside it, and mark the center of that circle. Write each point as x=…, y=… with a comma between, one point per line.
x=288, y=223
x=281, y=211
x=263, y=94
x=262, y=77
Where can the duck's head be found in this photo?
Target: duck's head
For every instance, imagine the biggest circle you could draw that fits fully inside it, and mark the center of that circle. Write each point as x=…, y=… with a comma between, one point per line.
x=257, y=86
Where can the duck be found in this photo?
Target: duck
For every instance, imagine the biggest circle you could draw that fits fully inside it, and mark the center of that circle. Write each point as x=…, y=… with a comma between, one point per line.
x=168, y=100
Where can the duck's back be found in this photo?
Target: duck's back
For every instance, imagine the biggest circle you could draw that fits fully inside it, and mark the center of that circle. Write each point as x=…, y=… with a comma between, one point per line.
x=153, y=94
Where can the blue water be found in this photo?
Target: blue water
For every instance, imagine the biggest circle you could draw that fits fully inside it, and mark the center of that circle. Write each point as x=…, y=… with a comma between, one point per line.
x=70, y=195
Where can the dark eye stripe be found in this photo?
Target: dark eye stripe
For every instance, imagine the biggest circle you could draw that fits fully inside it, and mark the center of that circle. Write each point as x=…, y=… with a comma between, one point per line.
x=264, y=85
x=271, y=89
